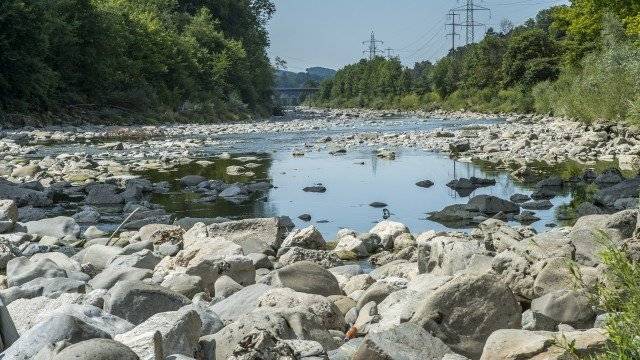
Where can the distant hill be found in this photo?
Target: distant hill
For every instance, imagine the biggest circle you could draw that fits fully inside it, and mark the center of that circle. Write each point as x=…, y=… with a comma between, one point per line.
x=311, y=78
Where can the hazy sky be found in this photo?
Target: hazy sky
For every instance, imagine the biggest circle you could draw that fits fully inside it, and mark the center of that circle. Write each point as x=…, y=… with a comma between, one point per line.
x=330, y=32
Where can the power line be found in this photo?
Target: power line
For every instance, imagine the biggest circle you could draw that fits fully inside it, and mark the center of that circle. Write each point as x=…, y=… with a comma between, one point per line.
x=389, y=52
x=470, y=8
x=453, y=24
x=372, y=44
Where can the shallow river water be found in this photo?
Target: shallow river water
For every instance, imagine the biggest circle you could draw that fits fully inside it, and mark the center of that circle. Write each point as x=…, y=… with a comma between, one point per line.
x=353, y=180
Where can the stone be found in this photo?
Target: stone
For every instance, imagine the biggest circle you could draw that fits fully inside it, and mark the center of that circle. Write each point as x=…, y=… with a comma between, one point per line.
x=144, y=259
x=424, y=183
x=626, y=189
x=8, y=332
x=519, y=198
x=403, y=241
x=8, y=215
x=566, y=307
x=103, y=194
x=537, y=205
x=135, y=301
x=98, y=255
x=445, y=255
x=510, y=344
x=22, y=270
x=226, y=286
x=307, y=277
x=58, y=227
x=315, y=189
x=111, y=276
x=536, y=321
x=253, y=235
x=260, y=261
x=305, y=217
x=27, y=312
x=55, y=329
x=42, y=286
x=93, y=232
x=466, y=310
x=179, y=334
x=240, y=303
x=192, y=180
x=377, y=292
x=96, y=349
x=388, y=231
x=326, y=259
x=351, y=244
x=491, y=205
x=184, y=284
x=307, y=238
x=406, y=341
x=23, y=196
x=322, y=309
x=358, y=282
x=161, y=233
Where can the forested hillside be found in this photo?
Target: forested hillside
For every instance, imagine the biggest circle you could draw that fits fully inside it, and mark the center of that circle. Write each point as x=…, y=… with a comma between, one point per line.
x=135, y=56
x=581, y=60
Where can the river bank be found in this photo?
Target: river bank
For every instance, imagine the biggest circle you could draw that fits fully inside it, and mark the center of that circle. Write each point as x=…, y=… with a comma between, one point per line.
x=236, y=284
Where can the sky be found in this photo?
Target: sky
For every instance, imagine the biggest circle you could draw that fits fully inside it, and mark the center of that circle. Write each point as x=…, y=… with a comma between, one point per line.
x=330, y=33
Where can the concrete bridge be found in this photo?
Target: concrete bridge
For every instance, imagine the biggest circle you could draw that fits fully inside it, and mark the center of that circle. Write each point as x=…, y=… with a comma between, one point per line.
x=294, y=96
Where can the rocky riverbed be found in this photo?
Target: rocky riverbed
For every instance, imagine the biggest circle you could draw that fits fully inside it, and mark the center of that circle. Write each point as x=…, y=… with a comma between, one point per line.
x=153, y=285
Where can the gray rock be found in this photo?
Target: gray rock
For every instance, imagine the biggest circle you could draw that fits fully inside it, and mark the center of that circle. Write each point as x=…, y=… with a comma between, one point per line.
x=226, y=286
x=192, y=180
x=103, y=194
x=307, y=238
x=260, y=261
x=24, y=196
x=376, y=293
x=58, y=227
x=567, y=307
x=21, y=270
x=254, y=235
x=8, y=215
x=406, y=341
x=53, y=330
x=98, y=255
x=536, y=321
x=307, y=277
x=96, y=349
x=240, y=303
x=179, y=334
x=537, y=205
x=144, y=259
x=185, y=284
x=326, y=259
x=28, y=312
x=626, y=189
x=347, y=350
x=466, y=310
x=135, y=301
x=492, y=205
x=8, y=332
x=111, y=276
x=519, y=198
x=424, y=183
x=211, y=322
x=41, y=286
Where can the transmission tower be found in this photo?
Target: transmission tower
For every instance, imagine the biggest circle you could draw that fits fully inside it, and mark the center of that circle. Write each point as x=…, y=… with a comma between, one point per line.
x=470, y=8
x=372, y=45
x=454, y=25
x=390, y=52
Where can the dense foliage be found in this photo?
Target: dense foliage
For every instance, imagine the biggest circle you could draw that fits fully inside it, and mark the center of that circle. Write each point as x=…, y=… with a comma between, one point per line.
x=135, y=55
x=312, y=77
x=579, y=60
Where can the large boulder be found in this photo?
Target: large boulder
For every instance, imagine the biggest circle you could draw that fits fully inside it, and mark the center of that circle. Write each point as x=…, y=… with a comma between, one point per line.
x=324, y=258
x=566, y=307
x=307, y=277
x=444, y=255
x=466, y=310
x=388, y=231
x=179, y=332
x=307, y=238
x=627, y=189
x=590, y=231
x=96, y=349
x=111, y=276
x=254, y=235
x=490, y=205
x=8, y=332
x=53, y=330
x=103, y=194
x=58, y=227
x=22, y=269
x=23, y=196
x=406, y=341
x=510, y=344
x=8, y=215
x=240, y=303
x=43, y=286
x=161, y=233
x=320, y=307
x=136, y=301
x=98, y=255
x=26, y=313
x=90, y=315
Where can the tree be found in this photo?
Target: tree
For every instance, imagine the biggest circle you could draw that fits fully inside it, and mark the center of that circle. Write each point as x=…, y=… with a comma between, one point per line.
x=528, y=58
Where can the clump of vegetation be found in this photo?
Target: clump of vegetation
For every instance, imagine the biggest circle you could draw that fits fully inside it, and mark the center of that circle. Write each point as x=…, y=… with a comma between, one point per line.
x=620, y=298
x=135, y=56
x=580, y=60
